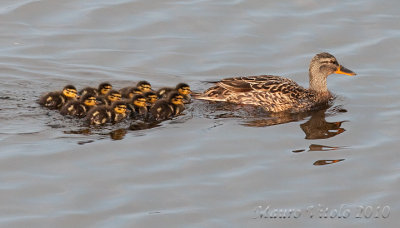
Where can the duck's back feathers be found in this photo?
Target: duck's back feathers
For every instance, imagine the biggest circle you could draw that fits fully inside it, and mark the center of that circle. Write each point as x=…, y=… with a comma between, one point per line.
x=273, y=93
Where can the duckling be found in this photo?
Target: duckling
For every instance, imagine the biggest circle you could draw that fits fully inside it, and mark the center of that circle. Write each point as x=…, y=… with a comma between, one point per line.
x=90, y=90
x=129, y=92
x=110, y=97
x=104, y=88
x=182, y=88
x=167, y=108
x=144, y=86
x=151, y=98
x=55, y=100
x=79, y=108
x=137, y=106
x=106, y=114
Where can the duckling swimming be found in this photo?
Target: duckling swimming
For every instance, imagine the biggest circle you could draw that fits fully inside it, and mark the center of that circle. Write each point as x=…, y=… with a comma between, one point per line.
x=90, y=90
x=278, y=94
x=182, y=88
x=151, y=98
x=110, y=97
x=144, y=86
x=55, y=100
x=106, y=114
x=79, y=108
x=104, y=88
x=129, y=92
x=167, y=108
x=137, y=106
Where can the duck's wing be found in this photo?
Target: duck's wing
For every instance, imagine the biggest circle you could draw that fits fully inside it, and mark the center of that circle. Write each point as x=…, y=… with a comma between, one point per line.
x=263, y=83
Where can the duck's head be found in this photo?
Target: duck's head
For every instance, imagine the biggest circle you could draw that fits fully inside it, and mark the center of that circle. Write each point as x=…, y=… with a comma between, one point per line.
x=119, y=107
x=139, y=100
x=104, y=88
x=326, y=64
x=183, y=89
x=144, y=86
x=113, y=95
x=89, y=99
x=151, y=97
x=134, y=91
x=70, y=91
x=175, y=98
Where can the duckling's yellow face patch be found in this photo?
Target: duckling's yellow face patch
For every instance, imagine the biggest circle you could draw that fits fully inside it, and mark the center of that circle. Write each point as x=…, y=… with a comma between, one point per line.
x=114, y=97
x=184, y=91
x=91, y=101
x=105, y=90
x=152, y=99
x=177, y=100
x=120, y=109
x=145, y=88
x=71, y=93
x=140, y=102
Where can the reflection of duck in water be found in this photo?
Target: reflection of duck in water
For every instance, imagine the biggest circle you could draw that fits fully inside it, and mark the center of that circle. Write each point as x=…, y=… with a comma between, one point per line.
x=318, y=128
x=278, y=94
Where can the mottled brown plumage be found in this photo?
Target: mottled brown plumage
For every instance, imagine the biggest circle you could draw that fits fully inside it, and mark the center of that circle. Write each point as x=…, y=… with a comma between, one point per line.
x=277, y=94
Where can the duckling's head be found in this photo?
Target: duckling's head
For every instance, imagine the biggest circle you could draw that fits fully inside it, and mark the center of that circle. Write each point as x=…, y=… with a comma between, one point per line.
x=175, y=98
x=139, y=100
x=119, y=107
x=113, y=95
x=134, y=91
x=183, y=89
x=324, y=64
x=89, y=99
x=144, y=86
x=70, y=91
x=104, y=88
x=151, y=97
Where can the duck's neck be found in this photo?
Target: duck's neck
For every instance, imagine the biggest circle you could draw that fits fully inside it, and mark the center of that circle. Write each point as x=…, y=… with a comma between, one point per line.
x=318, y=84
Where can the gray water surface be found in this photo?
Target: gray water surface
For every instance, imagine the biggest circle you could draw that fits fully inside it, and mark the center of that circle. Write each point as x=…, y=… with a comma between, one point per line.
x=215, y=166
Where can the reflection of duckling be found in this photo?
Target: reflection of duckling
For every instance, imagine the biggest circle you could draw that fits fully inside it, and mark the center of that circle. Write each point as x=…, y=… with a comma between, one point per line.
x=167, y=108
x=105, y=114
x=151, y=98
x=104, y=88
x=129, y=92
x=110, y=97
x=182, y=88
x=55, y=100
x=80, y=107
x=144, y=86
x=90, y=90
x=137, y=106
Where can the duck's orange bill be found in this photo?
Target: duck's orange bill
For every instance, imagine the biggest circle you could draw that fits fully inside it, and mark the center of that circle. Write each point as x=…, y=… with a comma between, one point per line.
x=344, y=70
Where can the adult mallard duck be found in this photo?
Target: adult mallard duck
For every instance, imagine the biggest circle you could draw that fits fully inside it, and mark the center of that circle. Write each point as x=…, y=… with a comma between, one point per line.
x=56, y=100
x=166, y=108
x=106, y=114
x=79, y=108
x=278, y=94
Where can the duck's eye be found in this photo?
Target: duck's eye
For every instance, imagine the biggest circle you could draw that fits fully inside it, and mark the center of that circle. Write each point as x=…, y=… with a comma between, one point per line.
x=71, y=91
x=91, y=99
